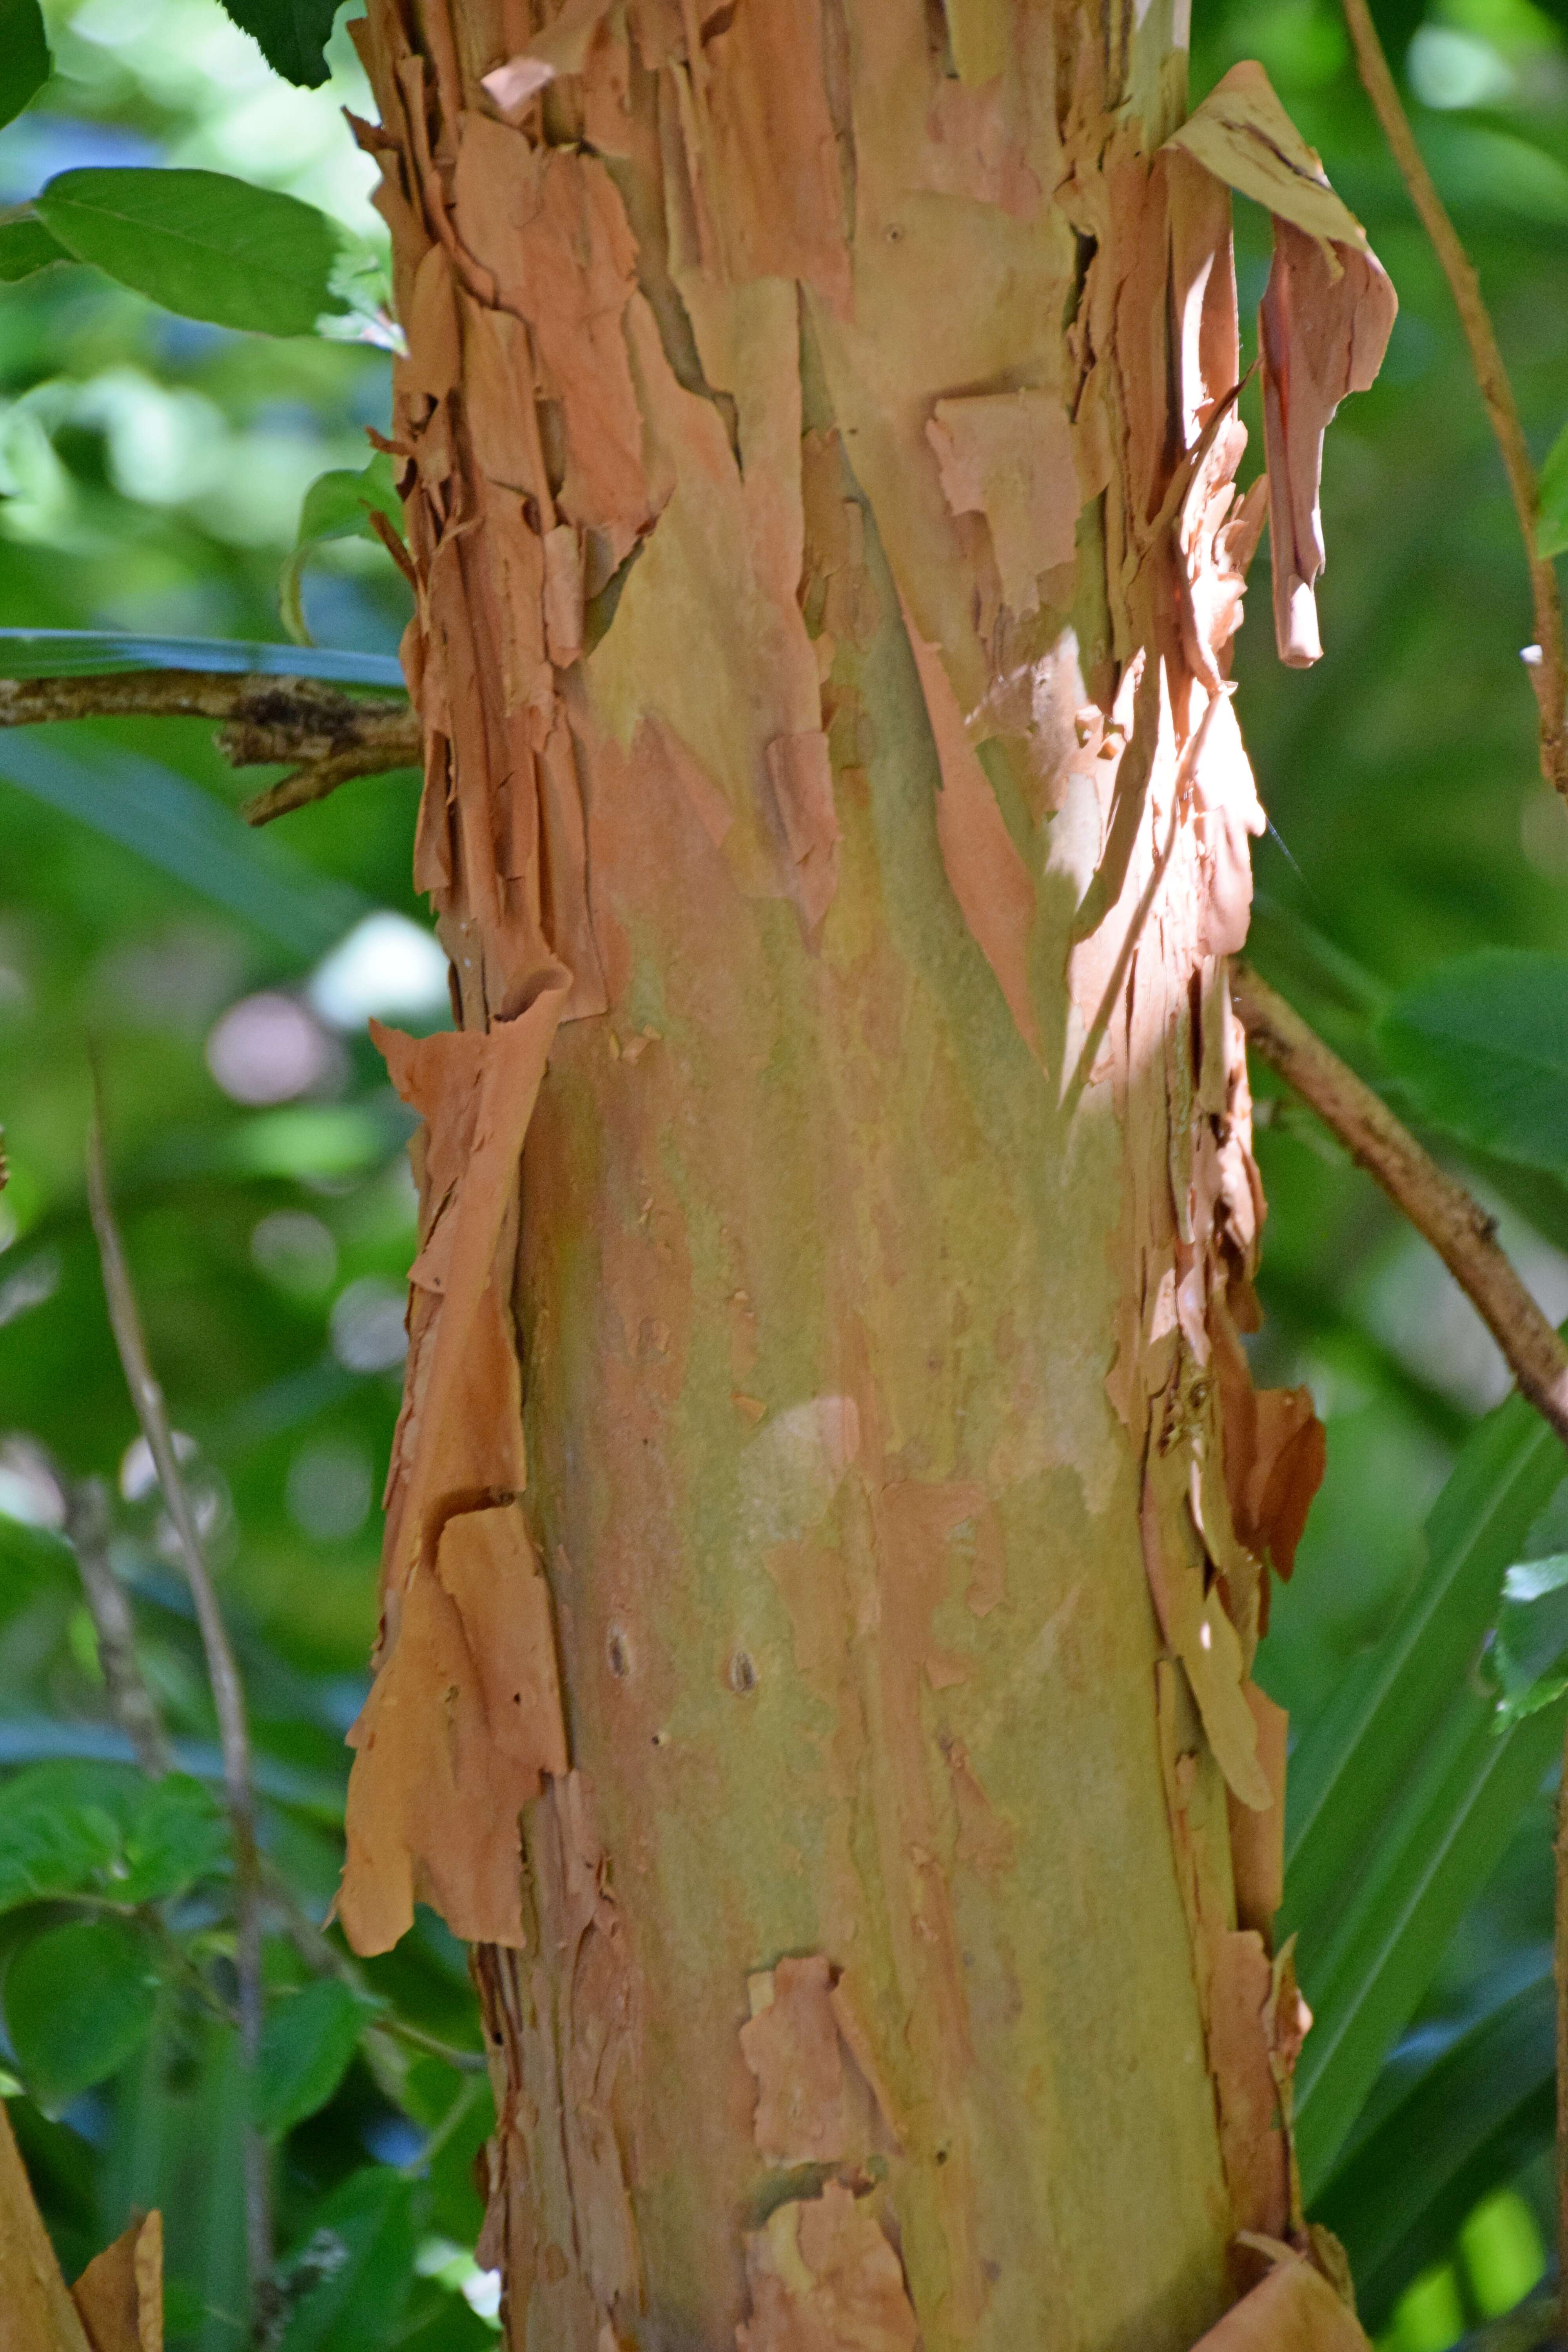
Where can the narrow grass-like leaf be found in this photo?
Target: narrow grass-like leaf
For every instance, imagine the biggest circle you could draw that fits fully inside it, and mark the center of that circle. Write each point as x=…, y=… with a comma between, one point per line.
x=201, y=243
x=1458, y=2109
x=178, y=827
x=1431, y=1859
x=81, y=652
x=1348, y=1771
x=25, y=64
x=1481, y=1046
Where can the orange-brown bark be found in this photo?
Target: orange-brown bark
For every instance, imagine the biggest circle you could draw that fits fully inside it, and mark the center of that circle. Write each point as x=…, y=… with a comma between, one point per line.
x=820, y=1678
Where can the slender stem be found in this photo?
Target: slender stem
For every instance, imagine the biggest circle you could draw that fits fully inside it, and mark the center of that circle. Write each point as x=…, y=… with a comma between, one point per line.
x=136, y=1710
x=1549, y=673
x=228, y=1695
x=1459, y=1228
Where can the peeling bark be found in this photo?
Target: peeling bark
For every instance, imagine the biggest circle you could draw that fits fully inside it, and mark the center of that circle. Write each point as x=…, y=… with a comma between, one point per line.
x=830, y=1524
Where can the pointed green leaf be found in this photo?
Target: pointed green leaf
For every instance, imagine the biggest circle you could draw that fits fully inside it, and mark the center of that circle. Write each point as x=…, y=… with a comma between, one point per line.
x=1551, y=506
x=79, y=2002
x=26, y=245
x=306, y=2046
x=201, y=243
x=1481, y=1046
x=338, y=505
x=25, y=64
x=291, y=35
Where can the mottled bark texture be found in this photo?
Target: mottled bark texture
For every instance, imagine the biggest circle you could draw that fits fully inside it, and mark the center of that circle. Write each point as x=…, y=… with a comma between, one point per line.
x=828, y=1523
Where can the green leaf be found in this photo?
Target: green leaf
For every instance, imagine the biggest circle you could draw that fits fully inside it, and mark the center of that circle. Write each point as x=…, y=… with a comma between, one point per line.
x=83, y=1827
x=79, y=2002
x=26, y=245
x=338, y=505
x=172, y=823
x=1427, y=1865
x=73, y=653
x=1348, y=1769
x=25, y=64
x=291, y=35
x=201, y=243
x=346, y=2282
x=1528, y=1657
x=306, y=2046
x=1482, y=1047
x=178, y=1834
x=1458, y=2109
x=60, y=1831
x=1551, y=506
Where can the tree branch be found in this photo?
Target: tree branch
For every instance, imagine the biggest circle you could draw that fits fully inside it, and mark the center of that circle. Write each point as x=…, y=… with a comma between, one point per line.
x=228, y=1694
x=86, y=1532
x=1549, y=672
x=264, y=720
x=1458, y=1227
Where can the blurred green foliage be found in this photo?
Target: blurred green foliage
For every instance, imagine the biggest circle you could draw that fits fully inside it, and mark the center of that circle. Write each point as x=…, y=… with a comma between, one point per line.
x=157, y=474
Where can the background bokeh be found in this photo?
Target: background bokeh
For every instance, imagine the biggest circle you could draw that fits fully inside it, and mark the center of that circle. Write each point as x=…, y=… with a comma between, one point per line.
x=151, y=477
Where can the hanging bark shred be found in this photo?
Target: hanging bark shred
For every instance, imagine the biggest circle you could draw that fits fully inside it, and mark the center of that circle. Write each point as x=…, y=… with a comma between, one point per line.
x=117, y=2303
x=1323, y=327
x=119, y=2295
x=639, y=255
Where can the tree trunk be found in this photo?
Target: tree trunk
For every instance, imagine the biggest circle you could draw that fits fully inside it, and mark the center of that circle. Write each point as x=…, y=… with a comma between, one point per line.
x=817, y=432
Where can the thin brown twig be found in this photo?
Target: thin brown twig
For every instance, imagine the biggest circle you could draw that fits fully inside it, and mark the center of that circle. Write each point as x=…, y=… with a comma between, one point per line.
x=264, y=722
x=1549, y=673
x=228, y=1695
x=135, y=1709
x=1459, y=1228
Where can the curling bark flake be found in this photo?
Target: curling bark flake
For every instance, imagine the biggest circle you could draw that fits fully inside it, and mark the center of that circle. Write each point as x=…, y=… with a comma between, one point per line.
x=829, y=1523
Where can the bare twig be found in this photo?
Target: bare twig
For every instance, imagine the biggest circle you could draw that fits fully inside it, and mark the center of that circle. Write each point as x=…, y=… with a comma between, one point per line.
x=1458, y=1227
x=265, y=720
x=323, y=776
x=1549, y=673
x=228, y=1697
x=86, y=1532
